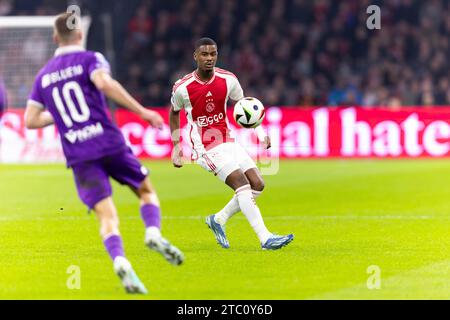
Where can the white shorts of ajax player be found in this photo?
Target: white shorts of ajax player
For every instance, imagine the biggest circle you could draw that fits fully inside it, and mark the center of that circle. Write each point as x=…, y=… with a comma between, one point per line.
x=226, y=158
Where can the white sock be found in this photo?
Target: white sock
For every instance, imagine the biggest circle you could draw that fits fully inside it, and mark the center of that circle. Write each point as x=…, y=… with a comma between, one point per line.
x=231, y=209
x=251, y=211
x=121, y=263
x=152, y=233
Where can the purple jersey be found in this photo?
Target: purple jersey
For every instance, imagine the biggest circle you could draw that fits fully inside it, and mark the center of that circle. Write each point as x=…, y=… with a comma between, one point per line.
x=2, y=98
x=79, y=109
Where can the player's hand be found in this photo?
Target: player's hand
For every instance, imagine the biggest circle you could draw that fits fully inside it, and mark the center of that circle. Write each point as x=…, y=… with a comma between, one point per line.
x=267, y=143
x=152, y=117
x=177, y=156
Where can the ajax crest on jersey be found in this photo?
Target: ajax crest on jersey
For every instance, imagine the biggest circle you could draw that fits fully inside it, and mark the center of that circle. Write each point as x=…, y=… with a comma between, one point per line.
x=249, y=112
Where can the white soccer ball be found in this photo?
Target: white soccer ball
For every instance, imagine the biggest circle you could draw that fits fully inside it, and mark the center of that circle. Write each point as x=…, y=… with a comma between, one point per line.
x=249, y=112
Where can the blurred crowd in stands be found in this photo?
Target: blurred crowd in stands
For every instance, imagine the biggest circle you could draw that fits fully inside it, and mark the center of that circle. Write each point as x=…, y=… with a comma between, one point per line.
x=291, y=52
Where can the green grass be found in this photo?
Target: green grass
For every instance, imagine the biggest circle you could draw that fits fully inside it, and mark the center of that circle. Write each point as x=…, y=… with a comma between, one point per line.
x=346, y=216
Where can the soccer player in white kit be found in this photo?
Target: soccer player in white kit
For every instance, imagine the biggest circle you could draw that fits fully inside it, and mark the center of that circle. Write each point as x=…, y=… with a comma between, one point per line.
x=204, y=94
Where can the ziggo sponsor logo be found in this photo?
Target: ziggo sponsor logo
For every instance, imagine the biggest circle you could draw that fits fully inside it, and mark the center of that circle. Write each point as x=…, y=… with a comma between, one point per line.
x=206, y=121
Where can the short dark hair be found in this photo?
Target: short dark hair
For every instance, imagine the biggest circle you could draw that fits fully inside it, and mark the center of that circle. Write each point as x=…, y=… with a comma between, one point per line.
x=62, y=26
x=204, y=42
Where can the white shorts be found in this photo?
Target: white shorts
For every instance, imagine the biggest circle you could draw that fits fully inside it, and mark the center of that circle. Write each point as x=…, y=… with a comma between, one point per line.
x=225, y=159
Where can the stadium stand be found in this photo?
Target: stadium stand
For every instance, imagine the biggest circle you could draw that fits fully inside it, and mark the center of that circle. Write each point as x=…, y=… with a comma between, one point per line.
x=292, y=52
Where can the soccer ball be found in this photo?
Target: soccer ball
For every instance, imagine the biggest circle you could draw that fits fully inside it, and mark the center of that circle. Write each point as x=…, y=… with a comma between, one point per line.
x=249, y=112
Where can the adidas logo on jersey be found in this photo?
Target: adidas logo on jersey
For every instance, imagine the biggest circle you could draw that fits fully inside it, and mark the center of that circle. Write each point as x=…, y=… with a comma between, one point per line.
x=209, y=94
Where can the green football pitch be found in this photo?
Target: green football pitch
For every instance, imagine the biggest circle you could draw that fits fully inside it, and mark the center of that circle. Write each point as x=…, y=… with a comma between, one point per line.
x=355, y=222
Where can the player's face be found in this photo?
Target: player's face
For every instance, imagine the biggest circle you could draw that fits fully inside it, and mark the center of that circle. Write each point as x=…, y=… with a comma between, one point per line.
x=206, y=57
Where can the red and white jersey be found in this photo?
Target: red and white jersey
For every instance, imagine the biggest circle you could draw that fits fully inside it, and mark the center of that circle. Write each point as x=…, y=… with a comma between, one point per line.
x=205, y=106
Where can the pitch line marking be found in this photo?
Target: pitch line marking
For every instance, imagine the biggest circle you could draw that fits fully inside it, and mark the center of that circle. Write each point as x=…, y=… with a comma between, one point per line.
x=287, y=218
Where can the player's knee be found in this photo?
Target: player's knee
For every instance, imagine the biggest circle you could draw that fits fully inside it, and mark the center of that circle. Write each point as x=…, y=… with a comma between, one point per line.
x=149, y=198
x=236, y=179
x=147, y=194
x=258, y=185
x=244, y=180
x=109, y=222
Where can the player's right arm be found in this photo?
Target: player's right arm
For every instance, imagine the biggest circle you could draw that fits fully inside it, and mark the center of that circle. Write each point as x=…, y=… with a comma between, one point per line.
x=116, y=92
x=36, y=116
x=174, y=123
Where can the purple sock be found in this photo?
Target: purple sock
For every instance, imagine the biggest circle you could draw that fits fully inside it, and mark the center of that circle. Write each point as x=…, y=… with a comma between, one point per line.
x=114, y=246
x=151, y=215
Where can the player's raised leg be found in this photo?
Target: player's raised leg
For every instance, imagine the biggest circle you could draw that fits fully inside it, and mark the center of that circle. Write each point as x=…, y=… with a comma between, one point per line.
x=256, y=182
x=151, y=215
x=239, y=182
x=218, y=221
x=109, y=229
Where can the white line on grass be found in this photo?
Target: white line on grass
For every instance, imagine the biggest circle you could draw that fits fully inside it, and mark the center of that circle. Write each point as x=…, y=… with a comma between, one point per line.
x=294, y=218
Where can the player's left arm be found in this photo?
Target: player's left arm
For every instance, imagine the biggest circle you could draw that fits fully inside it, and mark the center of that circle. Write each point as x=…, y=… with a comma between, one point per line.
x=36, y=117
x=263, y=137
x=236, y=94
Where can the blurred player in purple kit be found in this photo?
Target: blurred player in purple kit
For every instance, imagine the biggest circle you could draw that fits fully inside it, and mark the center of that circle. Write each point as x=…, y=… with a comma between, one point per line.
x=72, y=87
x=3, y=100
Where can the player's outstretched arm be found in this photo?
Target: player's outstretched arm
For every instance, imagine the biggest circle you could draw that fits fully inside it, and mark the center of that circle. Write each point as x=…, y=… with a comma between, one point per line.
x=36, y=117
x=115, y=91
x=263, y=137
x=177, y=153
